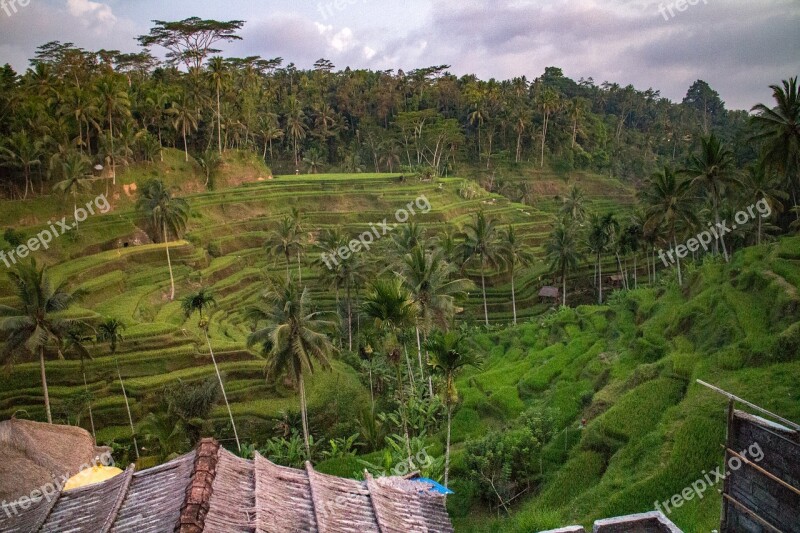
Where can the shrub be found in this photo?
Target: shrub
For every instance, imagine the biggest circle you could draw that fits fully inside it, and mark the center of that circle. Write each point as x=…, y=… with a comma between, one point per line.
x=13, y=237
x=788, y=346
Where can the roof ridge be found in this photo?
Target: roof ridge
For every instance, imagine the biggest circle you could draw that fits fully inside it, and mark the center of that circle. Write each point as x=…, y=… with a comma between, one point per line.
x=198, y=493
x=370, y=483
x=315, y=503
x=123, y=493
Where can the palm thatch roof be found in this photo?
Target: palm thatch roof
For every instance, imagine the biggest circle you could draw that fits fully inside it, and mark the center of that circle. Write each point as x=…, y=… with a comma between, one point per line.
x=211, y=489
x=33, y=453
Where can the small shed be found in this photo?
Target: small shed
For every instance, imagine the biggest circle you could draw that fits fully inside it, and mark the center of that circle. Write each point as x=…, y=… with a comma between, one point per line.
x=550, y=292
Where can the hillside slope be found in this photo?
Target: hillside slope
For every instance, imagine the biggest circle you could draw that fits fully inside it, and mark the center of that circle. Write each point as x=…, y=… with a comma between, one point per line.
x=629, y=369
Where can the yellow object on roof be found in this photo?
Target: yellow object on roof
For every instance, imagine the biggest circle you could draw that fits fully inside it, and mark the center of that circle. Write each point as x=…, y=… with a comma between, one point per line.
x=90, y=476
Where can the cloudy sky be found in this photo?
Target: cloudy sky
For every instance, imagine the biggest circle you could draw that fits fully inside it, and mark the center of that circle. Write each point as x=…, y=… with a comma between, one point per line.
x=740, y=47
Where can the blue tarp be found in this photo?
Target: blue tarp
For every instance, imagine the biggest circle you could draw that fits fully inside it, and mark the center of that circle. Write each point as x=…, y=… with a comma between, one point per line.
x=435, y=487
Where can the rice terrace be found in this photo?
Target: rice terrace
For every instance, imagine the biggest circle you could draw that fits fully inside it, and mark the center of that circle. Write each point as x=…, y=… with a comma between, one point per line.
x=371, y=266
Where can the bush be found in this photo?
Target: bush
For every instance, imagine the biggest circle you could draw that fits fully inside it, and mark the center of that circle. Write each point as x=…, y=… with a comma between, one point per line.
x=13, y=237
x=788, y=346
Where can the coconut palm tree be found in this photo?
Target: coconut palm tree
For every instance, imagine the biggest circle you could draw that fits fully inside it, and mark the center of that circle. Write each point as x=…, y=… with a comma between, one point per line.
x=74, y=171
x=23, y=153
x=74, y=341
x=761, y=185
x=668, y=203
x=293, y=338
x=515, y=253
x=184, y=119
x=296, y=218
x=448, y=355
x=574, y=205
x=713, y=172
x=167, y=215
x=296, y=126
x=199, y=302
x=597, y=241
x=113, y=100
x=283, y=240
x=218, y=72
x=548, y=102
x=562, y=251
x=482, y=244
x=390, y=307
x=110, y=331
x=430, y=280
x=779, y=132
x=34, y=322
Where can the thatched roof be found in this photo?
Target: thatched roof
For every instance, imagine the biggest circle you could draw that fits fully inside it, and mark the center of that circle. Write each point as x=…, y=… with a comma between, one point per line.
x=33, y=453
x=211, y=489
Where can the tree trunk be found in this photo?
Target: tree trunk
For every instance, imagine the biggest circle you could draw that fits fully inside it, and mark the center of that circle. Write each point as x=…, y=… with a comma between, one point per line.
x=304, y=415
x=677, y=257
x=410, y=371
x=485, y=306
x=185, y=146
x=219, y=123
x=564, y=288
x=447, y=447
x=222, y=388
x=128, y=408
x=91, y=417
x=169, y=264
x=419, y=356
x=44, y=386
x=513, y=298
x=600, y=277
x=349, y=320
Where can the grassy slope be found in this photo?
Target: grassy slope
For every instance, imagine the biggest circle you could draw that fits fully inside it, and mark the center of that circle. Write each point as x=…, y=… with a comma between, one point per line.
x=630, y=369
x=222, y=249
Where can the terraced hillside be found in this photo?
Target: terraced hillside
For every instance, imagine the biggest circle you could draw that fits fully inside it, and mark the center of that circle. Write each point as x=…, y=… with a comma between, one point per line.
x=629, y=369
x=223, y=250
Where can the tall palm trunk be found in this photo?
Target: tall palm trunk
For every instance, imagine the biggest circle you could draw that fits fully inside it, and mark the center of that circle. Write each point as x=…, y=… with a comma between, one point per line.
x=219, y=123
x=678, y=258
x=447, y=447
x=185, y=146
x=410, y=371
x=564, y=287
x=349, y=320
x=44, y=386
x=169, y=264
x=600, y=276
x=485, y=306
x=91, y=416
x=513, y=297
x=128, y=408
x=304, y=415
x=222, y=388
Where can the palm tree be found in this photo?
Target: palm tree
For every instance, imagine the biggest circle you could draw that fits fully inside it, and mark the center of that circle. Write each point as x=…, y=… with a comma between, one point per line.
x=283, y=240
x=114, y=100
x=779, y=131
x=209, y=162
x=516, y=254
x=562, y=251
x=429, y=278
x=448, y=355
x=185, y=120
x=482, y=244
x=23, y=153
x=34, y=322
x=577, y=108
x=548, y=101
x=218, y=72
x=574, y=205
x=167, y=215
x=713, y=171
x=296, y=218
x=761, y=185
x=110, y=331
x=293, y=338
x=314, y=159
x=391, y=308
x=74, y=169
x=75, y=341
x=668, y=204
x=197, y=303
x=598, y=239
x=296, y=126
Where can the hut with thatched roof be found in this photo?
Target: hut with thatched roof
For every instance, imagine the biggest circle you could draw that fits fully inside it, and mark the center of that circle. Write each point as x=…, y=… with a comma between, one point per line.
x=210, y=489
x=33, y=454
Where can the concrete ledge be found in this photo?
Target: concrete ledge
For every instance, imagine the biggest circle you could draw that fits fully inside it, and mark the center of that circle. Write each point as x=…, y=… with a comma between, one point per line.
x=568, y=529
x=653, y=522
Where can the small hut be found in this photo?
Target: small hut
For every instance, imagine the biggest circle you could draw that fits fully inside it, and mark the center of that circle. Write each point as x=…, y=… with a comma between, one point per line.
x=550, y=293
